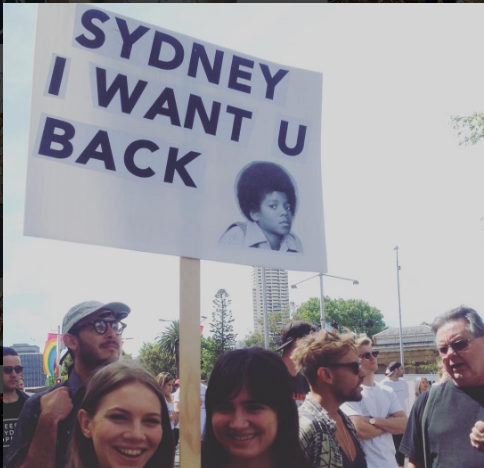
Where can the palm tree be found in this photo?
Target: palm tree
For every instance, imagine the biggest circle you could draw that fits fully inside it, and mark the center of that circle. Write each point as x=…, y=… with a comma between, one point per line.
x=169, y=342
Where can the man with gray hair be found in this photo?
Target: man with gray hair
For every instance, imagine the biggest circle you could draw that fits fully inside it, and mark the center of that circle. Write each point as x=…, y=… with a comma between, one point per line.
x=92, y=333
x=446, y=424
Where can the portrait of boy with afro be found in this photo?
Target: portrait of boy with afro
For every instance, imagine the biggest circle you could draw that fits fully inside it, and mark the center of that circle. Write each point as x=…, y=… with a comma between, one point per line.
x=267, y=198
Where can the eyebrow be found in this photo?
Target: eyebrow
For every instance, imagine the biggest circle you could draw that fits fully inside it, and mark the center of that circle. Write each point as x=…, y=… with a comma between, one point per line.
x=122, y=410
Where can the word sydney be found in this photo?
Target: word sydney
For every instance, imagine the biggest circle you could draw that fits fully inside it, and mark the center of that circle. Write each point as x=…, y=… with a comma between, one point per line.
x=166, y=52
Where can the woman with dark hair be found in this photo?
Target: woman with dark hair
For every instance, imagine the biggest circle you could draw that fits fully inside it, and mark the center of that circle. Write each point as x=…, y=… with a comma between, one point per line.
x=123, y=422
x=267, y=198
x=252, y=420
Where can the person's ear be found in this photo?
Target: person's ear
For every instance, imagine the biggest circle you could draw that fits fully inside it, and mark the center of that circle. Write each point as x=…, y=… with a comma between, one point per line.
x=70, y=341
x=85, y=422
x=324, y=374
x=254, y=215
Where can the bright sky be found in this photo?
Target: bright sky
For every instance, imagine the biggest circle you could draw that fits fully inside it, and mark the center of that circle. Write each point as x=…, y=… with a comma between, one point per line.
x=393, y=173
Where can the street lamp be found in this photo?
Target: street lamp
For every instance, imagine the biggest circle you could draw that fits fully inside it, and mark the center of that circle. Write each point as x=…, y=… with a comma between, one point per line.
x=321, y=305
x=399, y=307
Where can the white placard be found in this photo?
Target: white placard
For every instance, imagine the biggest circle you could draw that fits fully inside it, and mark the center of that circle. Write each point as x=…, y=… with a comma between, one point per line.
x=150, y=140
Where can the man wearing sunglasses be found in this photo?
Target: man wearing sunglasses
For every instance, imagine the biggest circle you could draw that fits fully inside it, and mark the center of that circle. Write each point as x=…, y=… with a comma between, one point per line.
x=92, y=333
x=378, y=415
x=446, y=424
x=13, y=398
x=333, y=369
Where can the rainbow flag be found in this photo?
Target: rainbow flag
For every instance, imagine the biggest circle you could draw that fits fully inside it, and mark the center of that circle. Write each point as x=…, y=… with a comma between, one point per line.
x=50, y=355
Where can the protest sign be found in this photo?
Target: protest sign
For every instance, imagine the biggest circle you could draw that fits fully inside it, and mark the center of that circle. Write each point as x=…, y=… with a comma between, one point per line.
x=146, y=139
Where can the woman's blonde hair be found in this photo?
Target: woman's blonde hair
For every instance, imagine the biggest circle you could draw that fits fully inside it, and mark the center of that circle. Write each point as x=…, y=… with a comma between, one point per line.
x=105, y=381
x=163, y=378
x=418, y=381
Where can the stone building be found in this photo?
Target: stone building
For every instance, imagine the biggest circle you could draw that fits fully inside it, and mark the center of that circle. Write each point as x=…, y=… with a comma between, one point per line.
x=418, y=346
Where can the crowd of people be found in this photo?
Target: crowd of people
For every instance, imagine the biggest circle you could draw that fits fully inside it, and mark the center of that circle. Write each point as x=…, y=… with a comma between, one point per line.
x=316, y=406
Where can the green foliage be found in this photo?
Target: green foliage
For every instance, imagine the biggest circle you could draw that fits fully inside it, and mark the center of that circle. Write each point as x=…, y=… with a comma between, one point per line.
x=50, y=381
x=169, y=344
x=156, y=360
x=428, y=367
x=310, y=311
x=66, y=364
x=208, y=357
x=253, y=339
x=275, y=323
x=471, y=127
x=223, y=336
x=353, y=314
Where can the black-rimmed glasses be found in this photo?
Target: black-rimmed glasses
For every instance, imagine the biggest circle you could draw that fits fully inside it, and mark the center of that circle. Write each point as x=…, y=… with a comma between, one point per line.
x=353, y=366
x=101, y=326
x=369, y=355
x=456, y=346
x=10, y=369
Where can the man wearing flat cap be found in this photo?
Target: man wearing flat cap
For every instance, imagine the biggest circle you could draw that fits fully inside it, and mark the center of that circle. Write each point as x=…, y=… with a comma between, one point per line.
x=290, y=335
x=92, y=333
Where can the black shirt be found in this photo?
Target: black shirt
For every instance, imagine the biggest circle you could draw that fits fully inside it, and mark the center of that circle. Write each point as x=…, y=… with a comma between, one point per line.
x=11, y=412
x=29, y=417
x=359, y=461
x=300, y=388
x=454, y=415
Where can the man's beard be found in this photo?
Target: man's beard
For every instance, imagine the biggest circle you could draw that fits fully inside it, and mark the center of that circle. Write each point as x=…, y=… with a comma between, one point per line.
x=90, y=359
x=345, y=395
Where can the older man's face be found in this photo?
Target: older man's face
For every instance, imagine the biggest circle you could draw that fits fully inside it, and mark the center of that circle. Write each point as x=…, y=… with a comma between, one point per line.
x=466, y=367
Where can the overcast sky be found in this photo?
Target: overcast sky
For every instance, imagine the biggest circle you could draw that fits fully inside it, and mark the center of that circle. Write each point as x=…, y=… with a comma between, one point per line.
x=393, y=173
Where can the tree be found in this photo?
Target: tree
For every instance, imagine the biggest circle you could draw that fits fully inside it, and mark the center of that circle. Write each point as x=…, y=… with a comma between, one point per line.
x=156, y=360
x=223, y=335
x=275, y=323
x=253, y=339
x=474, y=126
x=353, y=314
x=310, y=311
x=169, y=343
x=208, y=357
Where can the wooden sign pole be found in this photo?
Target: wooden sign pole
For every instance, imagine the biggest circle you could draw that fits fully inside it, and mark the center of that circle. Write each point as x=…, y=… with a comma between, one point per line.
x=190, y=440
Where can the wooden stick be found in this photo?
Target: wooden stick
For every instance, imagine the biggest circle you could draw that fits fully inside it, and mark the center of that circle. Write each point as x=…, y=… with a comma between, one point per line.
x=190, y=446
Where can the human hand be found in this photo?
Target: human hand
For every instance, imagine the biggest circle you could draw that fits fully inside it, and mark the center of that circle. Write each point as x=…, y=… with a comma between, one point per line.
x=477, y=436
x=56, y=405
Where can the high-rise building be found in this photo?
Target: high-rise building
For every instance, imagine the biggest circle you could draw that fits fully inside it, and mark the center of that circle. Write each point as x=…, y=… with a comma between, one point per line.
x=277, y=294
x=31, y=359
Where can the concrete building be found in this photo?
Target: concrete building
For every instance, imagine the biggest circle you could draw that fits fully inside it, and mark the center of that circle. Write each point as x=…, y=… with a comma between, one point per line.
x=31, y=358
x=277, y=294
x=418, y=346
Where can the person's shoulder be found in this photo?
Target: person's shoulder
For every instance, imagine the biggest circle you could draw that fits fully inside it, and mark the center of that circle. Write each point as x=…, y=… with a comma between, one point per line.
x=294, y=243
x=34, y=399
x=387, y=388
x=234, y=235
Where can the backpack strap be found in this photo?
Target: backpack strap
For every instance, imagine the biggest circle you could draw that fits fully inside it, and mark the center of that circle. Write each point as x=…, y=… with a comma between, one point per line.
x=435, y=393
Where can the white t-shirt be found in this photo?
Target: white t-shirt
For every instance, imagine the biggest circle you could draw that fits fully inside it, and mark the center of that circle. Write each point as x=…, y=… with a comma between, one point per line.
x=379, y=402
x=400, y=387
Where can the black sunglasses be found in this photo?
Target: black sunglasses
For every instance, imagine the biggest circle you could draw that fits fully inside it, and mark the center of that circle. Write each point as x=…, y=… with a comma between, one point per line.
x=368, y=355
x=10, y=369
x=456, y=346
x=353, y=366
x=101, y=326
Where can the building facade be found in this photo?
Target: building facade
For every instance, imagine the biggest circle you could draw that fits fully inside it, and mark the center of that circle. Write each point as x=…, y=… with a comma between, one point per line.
x=31, y=359
x=418, y=346
x=277, y=294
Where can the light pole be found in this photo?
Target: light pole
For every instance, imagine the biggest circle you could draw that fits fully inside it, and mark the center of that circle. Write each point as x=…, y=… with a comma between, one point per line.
x=399, y=308
x=294, y=286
